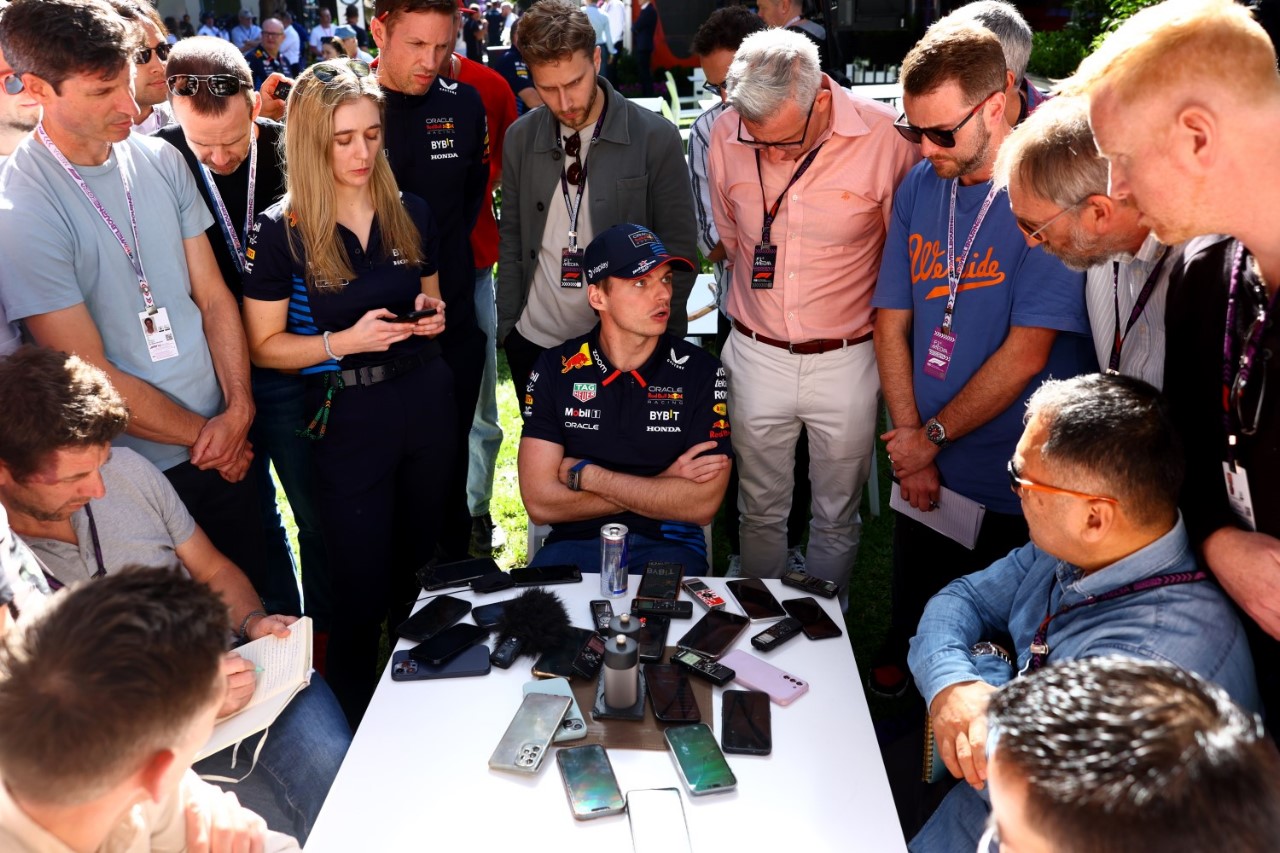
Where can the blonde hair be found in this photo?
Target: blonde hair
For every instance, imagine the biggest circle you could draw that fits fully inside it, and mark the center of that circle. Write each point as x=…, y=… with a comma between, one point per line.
x=1181, y=44
x=310, y=199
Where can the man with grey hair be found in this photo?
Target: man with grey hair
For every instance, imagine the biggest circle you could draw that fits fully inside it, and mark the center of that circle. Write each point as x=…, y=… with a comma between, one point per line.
x=1007, y=24
x=1057, y=183
x=802, y=268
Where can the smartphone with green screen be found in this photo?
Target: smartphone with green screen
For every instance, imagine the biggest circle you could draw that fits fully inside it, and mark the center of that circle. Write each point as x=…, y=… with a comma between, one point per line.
x=702, y=765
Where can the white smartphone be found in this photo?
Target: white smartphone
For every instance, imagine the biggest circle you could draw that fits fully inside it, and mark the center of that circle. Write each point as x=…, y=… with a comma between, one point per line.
x=573, y=727
x=527, y=740
x=657, y=821
x=749, y=671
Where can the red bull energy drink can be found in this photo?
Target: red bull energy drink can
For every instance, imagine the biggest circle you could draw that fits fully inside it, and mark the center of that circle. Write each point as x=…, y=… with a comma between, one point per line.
x=615, y=562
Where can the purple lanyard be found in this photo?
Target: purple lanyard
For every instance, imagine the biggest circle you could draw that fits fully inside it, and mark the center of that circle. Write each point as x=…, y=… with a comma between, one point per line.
x=235, y=243
x=1144, y=296
x=1040, y=648
x=1236, y=369
x=955, y=264
x=575, y=206
x=135, y=259
x=771, y=213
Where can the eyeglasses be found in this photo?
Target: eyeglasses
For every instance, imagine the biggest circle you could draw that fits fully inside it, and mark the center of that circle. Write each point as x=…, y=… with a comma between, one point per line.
x=789, y=144
x=327, y=72
x=276, y=33
x=572, y=148
x=716, y=89
x=13, y=84
x=161, y=51
x=1017, y=483
x=1036, y=235
x=939, y=137
x=219, y=85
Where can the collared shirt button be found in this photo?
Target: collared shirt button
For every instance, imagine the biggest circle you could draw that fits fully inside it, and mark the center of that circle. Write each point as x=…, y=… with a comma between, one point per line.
x=791, y=275
x=795, y=196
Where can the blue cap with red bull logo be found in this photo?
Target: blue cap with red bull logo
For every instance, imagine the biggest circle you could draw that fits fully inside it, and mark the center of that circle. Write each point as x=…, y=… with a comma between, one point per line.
x=628, y=251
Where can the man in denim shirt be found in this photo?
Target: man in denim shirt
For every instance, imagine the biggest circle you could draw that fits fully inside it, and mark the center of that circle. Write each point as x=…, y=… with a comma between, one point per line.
x=1098, y=470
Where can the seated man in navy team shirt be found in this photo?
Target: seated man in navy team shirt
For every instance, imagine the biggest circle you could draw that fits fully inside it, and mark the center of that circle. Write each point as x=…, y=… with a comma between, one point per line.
x=626, y=424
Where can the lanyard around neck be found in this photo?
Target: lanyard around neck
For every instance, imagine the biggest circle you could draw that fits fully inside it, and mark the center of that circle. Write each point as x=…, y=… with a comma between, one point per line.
x=1144, y=296
x=235, y=242
x=1237, y=368
x=771, y=213
x=575, y=205
x=956, y=263
x=133, y=254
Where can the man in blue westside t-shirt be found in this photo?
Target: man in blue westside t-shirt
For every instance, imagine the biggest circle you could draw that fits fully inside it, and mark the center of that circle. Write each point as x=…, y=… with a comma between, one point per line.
x=956, y=392
x=626, y=423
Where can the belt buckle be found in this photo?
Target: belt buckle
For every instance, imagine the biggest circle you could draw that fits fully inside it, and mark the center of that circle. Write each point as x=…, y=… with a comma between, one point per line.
x=791, y=347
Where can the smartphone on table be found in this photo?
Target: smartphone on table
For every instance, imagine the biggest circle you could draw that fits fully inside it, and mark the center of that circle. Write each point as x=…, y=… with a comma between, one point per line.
x=746, y=725
x=671, y=694
x=589, y=781
x=697, y=756
x=433, y=617
x=451, y=641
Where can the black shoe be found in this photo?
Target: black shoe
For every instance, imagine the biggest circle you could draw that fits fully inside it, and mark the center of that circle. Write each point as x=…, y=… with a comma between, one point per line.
x=486, y=537
x=888, y=682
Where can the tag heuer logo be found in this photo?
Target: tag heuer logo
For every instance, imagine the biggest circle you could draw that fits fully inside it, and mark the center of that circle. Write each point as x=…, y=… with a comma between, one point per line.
x=584, y=391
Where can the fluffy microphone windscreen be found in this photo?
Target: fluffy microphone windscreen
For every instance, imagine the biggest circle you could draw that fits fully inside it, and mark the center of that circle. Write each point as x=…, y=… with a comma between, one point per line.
x=535, y=617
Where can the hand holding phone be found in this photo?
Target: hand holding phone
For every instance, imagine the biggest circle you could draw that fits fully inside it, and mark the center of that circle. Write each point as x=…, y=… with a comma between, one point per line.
x=412, y=316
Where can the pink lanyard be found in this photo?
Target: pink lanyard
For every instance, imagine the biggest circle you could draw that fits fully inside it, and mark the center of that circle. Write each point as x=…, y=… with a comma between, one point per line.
x=955, y=264
x=135, y=260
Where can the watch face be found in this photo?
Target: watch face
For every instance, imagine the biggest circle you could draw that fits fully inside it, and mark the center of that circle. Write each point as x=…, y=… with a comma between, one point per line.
x=935, y=432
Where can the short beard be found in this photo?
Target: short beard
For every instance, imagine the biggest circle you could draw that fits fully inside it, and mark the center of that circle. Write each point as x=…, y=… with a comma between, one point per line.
x=1085, y=251
x=591, y=105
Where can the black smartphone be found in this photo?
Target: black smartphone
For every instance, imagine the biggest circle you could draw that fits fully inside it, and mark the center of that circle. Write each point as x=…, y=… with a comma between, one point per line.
x=489, y=615
x=755, y=599
x=492, y=582
x=412, y=316
x=671, y=694
x=652, y=637
x=542, y=575
x=473, y=661
x=714, y=633
x=449, y=642
x=558, y=661
x=661, y=581
x=282, y=90
x=436, y=615
x=745, y=722
x=814, y=621
x=460, y=573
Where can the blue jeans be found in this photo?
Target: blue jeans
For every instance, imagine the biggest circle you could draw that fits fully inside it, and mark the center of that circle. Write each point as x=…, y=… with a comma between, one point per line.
x=958, y=823
x=585, y=554
x=304, y=749
x=281, y=402
x=486, y=432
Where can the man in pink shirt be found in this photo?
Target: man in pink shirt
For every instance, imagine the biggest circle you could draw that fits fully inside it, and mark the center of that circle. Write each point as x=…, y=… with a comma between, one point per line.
x=802, y=176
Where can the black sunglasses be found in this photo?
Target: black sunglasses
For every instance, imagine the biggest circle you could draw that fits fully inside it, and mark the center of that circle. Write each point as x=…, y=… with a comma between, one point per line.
x=716, y=89
x=13, y=84
x=573, y=147
x=788, y=144
x=219, y=85
x=327, y=72
x=939, y=137
x=161, y=50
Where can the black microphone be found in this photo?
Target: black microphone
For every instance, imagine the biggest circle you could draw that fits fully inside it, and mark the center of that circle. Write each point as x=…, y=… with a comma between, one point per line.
x=534, y=621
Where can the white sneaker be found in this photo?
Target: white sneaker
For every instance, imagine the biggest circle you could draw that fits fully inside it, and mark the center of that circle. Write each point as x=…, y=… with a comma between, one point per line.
x=795, y=560
x=734, y=569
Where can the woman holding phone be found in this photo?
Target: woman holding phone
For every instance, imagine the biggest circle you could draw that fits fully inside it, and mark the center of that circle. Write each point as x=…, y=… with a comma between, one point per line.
x=340, y=285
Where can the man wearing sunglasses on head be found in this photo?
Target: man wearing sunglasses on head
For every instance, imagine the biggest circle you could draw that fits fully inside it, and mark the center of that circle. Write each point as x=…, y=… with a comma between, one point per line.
x=234, y=155
x=802, y=176
x=103, y=230
x=1109, y=570
x=970, y=320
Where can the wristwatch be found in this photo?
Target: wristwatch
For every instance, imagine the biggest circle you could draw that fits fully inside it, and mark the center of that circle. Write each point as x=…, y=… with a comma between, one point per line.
x=574, y=473
x=936, y=433
x=984, y=648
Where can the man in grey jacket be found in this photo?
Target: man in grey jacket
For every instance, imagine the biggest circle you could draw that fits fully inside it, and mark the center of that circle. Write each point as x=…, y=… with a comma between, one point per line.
x=589, y=161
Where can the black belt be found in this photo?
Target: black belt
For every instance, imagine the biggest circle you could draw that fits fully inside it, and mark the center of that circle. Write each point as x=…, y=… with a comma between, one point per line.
x=806, y=347
x=382, y=372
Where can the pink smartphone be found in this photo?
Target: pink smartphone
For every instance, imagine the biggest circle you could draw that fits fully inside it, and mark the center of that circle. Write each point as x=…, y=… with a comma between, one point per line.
x=782, y=687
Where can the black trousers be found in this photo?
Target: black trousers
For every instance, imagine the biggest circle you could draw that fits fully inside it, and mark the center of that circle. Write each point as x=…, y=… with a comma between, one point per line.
x=925, y=561
x=229, y=515
x=464, y=353
x=380, y=472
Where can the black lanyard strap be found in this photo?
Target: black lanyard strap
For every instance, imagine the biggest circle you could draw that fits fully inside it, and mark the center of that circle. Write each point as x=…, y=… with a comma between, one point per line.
x=1039, y=645
x=1144, y=296
x=771, y=213
x=575, y=206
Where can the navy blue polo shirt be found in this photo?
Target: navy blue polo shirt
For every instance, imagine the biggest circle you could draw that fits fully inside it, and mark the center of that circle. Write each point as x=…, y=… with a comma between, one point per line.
x=438, y=147
x=633, y=423
x=273, y=274
x=513, y=69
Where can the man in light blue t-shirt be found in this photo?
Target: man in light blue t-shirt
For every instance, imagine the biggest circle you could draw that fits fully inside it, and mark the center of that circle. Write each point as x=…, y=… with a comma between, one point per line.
x=157, y=317
x=956, y=381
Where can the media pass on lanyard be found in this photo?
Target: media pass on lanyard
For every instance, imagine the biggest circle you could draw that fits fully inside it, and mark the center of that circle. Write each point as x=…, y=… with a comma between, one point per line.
x=941, y=345
x=571, y=267
x=943, y=342
x=1238, y=493
x=763, y=265
x=159, y=334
